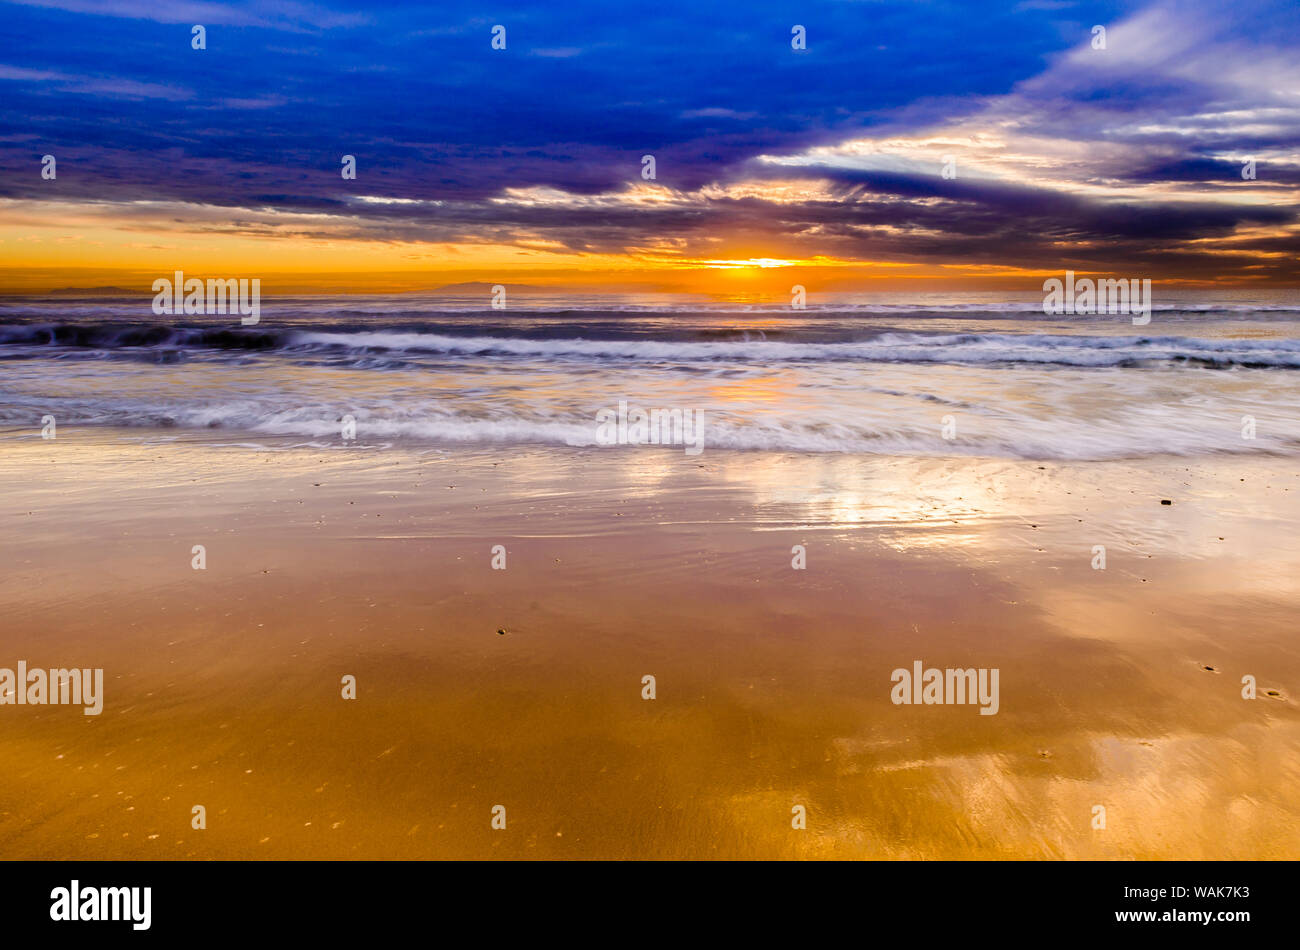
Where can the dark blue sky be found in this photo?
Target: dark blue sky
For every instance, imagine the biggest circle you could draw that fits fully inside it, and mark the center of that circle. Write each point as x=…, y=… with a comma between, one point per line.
x=1133, y=150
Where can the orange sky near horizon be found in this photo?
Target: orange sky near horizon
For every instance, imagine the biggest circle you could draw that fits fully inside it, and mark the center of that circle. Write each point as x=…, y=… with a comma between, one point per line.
x=38, y=256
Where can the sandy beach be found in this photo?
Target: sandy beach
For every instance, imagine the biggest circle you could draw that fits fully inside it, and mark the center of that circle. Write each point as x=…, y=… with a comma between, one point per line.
x=1119, y=687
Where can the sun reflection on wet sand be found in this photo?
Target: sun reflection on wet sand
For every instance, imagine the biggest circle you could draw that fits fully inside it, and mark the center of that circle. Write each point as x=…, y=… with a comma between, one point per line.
x=773, y=684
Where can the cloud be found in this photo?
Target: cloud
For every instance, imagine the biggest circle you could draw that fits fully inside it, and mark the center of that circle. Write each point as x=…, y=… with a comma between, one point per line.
x=1065, y=155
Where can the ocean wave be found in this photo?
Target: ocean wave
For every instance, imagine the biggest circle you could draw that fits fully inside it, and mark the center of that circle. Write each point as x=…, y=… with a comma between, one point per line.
x=359, y=348
x=1016, y=436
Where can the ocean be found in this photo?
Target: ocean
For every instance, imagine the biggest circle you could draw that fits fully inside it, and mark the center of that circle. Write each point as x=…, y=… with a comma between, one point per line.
x=900, y=374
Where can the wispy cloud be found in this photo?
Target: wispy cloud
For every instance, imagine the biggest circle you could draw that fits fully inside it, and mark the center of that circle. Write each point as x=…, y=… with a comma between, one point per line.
x=272, y=14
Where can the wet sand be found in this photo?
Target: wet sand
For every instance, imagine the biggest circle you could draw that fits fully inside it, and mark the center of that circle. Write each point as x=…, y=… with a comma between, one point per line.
x=222, y=686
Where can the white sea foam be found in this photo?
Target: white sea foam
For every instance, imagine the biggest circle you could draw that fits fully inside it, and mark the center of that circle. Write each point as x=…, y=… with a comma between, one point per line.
x=831, y=382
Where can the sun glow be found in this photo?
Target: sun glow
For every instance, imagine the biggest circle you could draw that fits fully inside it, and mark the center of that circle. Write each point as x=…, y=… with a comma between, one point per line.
x=754, y=262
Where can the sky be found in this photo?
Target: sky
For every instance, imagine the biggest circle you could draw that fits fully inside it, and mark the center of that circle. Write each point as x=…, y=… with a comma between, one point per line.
x=960, y=145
